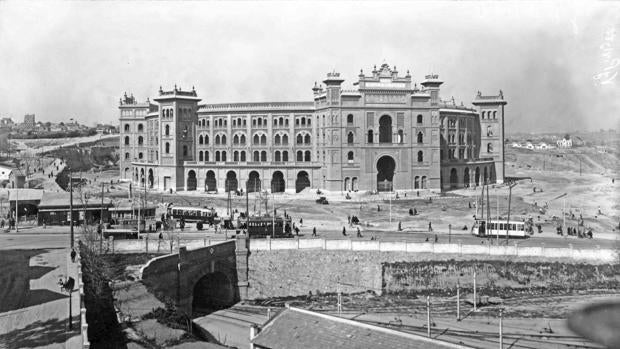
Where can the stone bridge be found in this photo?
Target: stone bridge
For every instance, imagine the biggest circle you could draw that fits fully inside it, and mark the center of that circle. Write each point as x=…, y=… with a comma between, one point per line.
x=204, y=279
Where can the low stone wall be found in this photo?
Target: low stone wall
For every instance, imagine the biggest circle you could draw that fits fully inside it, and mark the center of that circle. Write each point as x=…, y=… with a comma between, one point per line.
x=587, y=255
x=296, y=272
x=156, y=246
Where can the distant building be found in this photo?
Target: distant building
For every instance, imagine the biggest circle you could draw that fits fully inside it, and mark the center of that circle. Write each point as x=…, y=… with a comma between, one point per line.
x=542, y=146
x=529, y=145
x=565, y=142
x=106, y=129
x=516, y=145
x=6, y=122
x=5, y=172
x=29, y=121
x=300, y=328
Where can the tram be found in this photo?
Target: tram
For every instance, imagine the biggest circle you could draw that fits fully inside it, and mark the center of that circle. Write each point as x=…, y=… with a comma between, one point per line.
x=263, y=226
x=499, y=228
x=194, y=214
x=122, y=234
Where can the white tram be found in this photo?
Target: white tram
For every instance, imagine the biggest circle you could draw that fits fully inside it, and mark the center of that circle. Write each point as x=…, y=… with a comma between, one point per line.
x=499, y=228
x=194, y=214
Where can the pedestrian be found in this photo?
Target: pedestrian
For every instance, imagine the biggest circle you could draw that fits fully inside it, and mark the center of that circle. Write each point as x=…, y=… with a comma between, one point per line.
x=469, y=204
x=613, y=180
x=314, y=231
x=417, y=193
x=2, y=223
x=301, y=222
x=400, y=227
x=359, y=233
x=297, y=231
x=378, y=208
x=349, y=219
x=344, y=231
x=415, y=211
x=436, y=238
x=430, y=227
x=411, y=212
x=73, y=254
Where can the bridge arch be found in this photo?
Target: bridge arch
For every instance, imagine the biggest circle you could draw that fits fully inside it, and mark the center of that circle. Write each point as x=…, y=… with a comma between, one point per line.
x=212, y=292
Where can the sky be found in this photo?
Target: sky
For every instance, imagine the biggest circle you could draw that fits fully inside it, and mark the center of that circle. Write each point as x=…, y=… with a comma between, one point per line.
x=557, y=63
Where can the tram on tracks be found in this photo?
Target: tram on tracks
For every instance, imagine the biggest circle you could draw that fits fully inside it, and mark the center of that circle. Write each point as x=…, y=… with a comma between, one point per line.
x=263, y=226
x=499, y=228
x=194, y=214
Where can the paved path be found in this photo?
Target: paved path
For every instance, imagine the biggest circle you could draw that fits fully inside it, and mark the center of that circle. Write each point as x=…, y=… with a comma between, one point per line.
x=45, y=324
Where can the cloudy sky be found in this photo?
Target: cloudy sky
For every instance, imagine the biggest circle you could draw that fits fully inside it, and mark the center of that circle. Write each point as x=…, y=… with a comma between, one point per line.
x=557, y=63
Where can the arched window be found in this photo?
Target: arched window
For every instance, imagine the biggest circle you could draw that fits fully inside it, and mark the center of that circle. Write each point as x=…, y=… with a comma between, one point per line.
x=217, y=139
x=385, y=129
x=206, y=139
x=420, y=156
x=167, y=148
x=223, y=139
x=156, y=155
x=285, y=122
x=420, y=118
x=489, y=148
x=350, y=156
x=307, y=139
x=253, y=122
x=126, y=127
x=184, y=150
x=309, y=121
x=370, y=136
x=277, y=139
x=350, y=138
x=420, y=137
x=483, y=114
x=303, y=121
x=489, y=131
x=236, y=155
x=350, y=119
x=242, y=139
x=126, y=156
x=263, y=139
x=260, y=122
x=239, y=121
x=495, y=115
x=285, y=156
x=300, y=139
x=167, y=130
x=140, y=155
x=200, y=156
x=206, y=156
x=263, y=156
x=256, y=156
x=235, y=139
x=256, y=139
x=217, y=155
x=126, y=140
x=285, y=139
x=300, y=155
x=140, y=128
x=242, y=155
x=223, y=156
x=401, y=137
x=277, y=156
x=201, y=140
x=297, y=122
x=307, y=155
x=281, y=121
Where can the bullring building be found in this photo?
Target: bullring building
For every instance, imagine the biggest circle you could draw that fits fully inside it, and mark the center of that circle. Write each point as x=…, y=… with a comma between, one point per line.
x=387, y=133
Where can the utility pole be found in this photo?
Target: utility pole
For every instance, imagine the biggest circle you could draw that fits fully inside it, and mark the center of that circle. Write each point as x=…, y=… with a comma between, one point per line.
x=339, y=301
x=449, y=233
x=390, y=196
x=428, y=316
x=508, y=219
x=458, y=301
x=17, y=210
x=273, y=218
x=101, y=222
x=475, y=300
x=501, y=335
x=71, y=206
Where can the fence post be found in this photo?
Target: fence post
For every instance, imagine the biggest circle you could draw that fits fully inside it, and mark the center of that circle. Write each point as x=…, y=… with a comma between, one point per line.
x=268, y=243
x=516, y=248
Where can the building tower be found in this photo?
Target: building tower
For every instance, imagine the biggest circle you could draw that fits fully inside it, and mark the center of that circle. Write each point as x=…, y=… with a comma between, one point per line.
x=330, y=121
x=491, y=111
x=178, y=118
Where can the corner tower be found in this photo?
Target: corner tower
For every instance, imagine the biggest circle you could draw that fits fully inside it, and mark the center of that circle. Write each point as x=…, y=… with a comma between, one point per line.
x=178, y=118
x=491, y=112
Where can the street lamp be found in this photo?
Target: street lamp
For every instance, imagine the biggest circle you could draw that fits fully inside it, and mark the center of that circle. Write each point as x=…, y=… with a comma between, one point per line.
x=67, y=286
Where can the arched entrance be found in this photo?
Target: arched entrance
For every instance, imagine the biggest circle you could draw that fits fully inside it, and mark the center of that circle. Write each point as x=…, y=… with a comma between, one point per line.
x=354, y=184
x=210, y=181
x=191, y=180
x=213, y=292
x=231, y=181
x=254, y=182
x=302, y=182
x=151, y=179
x=126, y=174
x=277, y=182
x=466, y=178
x=385, y=173
x=477, y=176
x=385, y=129
x=486, y=176
x=346, y=184
x=454, y=179
x=142, y=177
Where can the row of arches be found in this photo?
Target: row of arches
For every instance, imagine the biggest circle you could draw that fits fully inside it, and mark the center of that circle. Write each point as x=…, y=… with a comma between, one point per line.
x=351, y=184
x=258, y=156
x=485, y=177
x=490, y=114
x=254, y=182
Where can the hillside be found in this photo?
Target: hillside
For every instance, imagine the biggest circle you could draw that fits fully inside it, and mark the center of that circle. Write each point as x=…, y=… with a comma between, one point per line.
x=584, y=159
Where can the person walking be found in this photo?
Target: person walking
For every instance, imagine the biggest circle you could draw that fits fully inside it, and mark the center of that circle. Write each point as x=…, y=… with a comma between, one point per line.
x=73, y=255
x=344, y=231
x=430, y=227
x=359, y=233
x=314, y=232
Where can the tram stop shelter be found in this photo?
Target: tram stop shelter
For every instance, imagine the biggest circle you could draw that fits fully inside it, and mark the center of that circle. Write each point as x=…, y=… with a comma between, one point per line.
x=27, y=201
x=55, y=207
